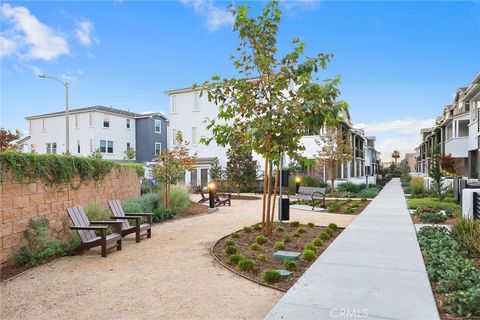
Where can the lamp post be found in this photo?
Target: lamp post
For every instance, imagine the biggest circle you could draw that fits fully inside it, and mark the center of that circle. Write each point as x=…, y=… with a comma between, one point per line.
x=297, y=183
x=211, y=197
x=67, y=125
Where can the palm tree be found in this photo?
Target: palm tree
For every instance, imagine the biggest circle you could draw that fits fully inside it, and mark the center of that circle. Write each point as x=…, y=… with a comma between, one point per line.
x=396, y=155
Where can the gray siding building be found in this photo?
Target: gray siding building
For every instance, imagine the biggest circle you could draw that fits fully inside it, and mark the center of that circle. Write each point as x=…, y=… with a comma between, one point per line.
x=151, y=135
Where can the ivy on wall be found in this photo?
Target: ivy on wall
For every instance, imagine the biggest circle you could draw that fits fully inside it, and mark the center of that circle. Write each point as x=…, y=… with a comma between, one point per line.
x=59, y=169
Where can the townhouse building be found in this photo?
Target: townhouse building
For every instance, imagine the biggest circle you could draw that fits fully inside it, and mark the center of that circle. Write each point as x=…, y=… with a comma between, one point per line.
x=189, y=112
x=454, y=133
x=107, y=130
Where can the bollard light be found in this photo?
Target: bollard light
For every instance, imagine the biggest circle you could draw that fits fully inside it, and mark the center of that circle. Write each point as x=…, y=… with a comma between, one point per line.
x=211, y=197
x=297, y=183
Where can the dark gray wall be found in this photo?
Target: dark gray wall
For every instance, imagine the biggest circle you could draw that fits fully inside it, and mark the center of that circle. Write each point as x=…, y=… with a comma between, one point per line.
x=146, y=137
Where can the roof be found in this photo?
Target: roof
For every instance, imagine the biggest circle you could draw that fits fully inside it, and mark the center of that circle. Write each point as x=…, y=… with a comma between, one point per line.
x=110, y=110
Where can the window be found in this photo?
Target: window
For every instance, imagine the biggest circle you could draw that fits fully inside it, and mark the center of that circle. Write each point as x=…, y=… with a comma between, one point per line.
x=90, y=119
x=158, y=148
x=128, y=123
x=173, y=102
x=174, y=137
x=78, y=146
x=158, y=126
x=194, y=136
x=106, y=146
x=128, y=145
x=33, y=148
x=467, y=106
x=51, y=147
x=196, y=106
x=76, y=121
x=106, y=121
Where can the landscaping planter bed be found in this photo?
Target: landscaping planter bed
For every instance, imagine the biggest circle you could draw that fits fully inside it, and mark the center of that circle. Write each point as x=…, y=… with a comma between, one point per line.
x=340, y=206
x=243, y=197
x=262, y=257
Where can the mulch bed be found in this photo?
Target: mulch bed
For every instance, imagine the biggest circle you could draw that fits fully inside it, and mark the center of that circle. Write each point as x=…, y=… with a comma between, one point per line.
x=193, y=209
x=244, y=241
x=10, y=271
x=242, y=197
x=449, y=221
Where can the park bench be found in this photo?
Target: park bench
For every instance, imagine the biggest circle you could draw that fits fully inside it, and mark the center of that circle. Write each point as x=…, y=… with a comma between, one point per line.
x=310, y=193
x=86, y=230
x=127, y=228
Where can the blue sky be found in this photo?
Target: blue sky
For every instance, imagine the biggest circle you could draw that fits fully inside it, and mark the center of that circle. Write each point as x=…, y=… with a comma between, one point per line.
x=400, y=62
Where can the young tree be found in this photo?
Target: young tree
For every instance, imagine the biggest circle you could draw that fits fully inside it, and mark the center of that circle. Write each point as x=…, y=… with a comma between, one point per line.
x=241, y=168
x=396, y=156
x=448, y=163
x=216, y=171
x=7, y=139
x=268, y=108
x=129, y=154
x=170, y=166
x=436, y=173
x=334, y=150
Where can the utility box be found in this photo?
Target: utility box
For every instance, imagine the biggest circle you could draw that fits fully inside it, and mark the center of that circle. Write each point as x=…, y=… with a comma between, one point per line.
x=285, y=209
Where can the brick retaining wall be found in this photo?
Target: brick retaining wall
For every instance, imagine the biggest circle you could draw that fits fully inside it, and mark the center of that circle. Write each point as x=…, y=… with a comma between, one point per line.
x=18, y=203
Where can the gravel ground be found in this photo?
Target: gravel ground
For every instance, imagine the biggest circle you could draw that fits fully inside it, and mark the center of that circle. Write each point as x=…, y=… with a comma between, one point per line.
x=170, y=276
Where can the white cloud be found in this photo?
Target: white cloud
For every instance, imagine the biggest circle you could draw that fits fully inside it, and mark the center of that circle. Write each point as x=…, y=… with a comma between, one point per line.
x=215, y=17
x=27, y=32
x=7, y=47
x=291, y=5
x=83, y=32
x=402, y=126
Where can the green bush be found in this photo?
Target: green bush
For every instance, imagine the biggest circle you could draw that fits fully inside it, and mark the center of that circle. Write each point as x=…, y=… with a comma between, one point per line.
x=255, y=246
x=287, y=239
x=132, y=205
x=349, y=210
x=308, y=255
x=96, y=212
x=300, y=230
x=328, y=231
x=257, y=227
x=434, y=203
x=324, y=235
x=350, y=187
x=369, y=192
x=332, y=226
x=179, y=199
x=279, y=245
x=467, y=234
x=41, y=245
x=235, y=258
x=230, y=243
x=247, y=229
x=310, y=225
x=235, y=235
x=294, y=224
x=297, y=235
x=146, y=203
x=162, y=214
x=318, y=242
x=261, y=239
x=306, y=181
x=334, y=206
x=311, y=247
x=261, y=257
x=280, y=229
x=290, y=265
x=246, y=265
x=363, y=200
x=271, y=276
x=230, y=250
x=464, y=303
x=417, y=185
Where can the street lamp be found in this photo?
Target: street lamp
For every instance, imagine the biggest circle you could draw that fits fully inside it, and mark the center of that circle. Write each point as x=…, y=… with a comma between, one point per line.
x=297, y=183
x=67, y=126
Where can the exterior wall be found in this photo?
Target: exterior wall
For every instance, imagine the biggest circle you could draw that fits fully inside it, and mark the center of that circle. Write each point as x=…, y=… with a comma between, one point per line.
x=146, y=137
x=18, y=203
x=457, y=147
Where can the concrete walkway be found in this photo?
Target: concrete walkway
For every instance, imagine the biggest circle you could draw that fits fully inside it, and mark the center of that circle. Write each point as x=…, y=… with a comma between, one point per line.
x=373, y=270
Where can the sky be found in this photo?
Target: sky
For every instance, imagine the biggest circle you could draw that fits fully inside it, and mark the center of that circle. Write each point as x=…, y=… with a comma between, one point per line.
x=400, y=61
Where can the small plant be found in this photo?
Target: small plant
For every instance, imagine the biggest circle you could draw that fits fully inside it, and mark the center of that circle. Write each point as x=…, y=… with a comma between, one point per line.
x=246, y=265
x=334, y=206
x=163, y=214
x=261, y=239
x=417, y=185
x=328, y=231
x=230, y=250
x=308, y=255
x=349, y=210
x=271, y=276
x=363, y=200
x=332, y=226
x=287, y=239
x=230, y=243
x=235, y=258
x=280, y=229
x=235, y=235
x=290, y=265
x=323, y=235
x=247, y=229
x=297, y=235
x=300, y=230
x=257, y=227
x=279, y=245
x=254, y=246
x=318, y=242
x=294, y=224
x=310, y=247
x=261, y=257
x=310, y=225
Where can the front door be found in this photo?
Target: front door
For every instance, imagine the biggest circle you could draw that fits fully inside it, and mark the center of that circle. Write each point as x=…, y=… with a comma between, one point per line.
x=204, y=177
x=193, y=178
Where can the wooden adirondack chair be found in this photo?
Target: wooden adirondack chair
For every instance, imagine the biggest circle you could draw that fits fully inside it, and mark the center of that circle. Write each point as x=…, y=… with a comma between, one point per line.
x=127, y=228
x=86, y=231
x=223, y=199
x=200, y=191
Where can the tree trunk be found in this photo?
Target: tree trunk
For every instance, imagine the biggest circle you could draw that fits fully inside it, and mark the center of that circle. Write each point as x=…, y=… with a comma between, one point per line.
x=265, y=177
x=333, y=174
x=269, y=204
x=275, y=188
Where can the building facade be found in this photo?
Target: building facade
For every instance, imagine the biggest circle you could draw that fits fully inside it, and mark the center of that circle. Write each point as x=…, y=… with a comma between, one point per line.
x=151, y=131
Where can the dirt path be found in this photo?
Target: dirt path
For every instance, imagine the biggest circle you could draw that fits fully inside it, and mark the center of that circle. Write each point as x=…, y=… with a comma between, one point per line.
x=171, y=276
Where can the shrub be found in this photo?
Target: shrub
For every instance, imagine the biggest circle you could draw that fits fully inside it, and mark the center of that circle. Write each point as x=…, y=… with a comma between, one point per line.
x=280, y=229
x=96, y=212
x=41, y=245
x=308, y=255
x=235, y=235
x=261, y=239
x=369, y=192
x=261, y=257
x=334, y=206
x=257, y=227
x=271, y=276
x=279, y=245
x=311, y=247
x=318, y=242
x=332, y=226
x=235, y=258
x=296, y=235
x=464, y=303
x=287, y=239
x=294, y=224
x=254, y=246
x=323, y=235
x=350, y=187
x=467, y=234
x=300, y=230
x=132, y=205
x=310, y=225
x=349, y=210
x=435, y=204
x=230, y=250
x=290, y=265
x=417, y=185
x=163, y=214
x=179, y=199
x=428, y=217
x=247, y=229
x=246, y=265
x=363, y=200
x=230, y=243
x=328, y=231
